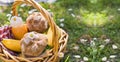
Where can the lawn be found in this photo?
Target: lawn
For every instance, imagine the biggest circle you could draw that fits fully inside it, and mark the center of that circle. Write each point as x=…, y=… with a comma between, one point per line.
x=93, y=27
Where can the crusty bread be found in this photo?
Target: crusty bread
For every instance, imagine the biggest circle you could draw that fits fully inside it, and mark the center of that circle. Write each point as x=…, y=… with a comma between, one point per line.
x=36, y=22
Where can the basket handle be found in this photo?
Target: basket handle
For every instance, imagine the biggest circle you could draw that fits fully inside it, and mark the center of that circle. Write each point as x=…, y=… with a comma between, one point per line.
x=49, y=19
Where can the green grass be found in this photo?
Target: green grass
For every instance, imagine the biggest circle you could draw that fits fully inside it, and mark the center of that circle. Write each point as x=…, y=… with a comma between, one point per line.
x=79, y=26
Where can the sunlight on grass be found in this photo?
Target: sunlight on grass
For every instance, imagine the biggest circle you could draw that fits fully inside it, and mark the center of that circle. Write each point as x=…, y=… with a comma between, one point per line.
x=93, y=1
x=95, y=19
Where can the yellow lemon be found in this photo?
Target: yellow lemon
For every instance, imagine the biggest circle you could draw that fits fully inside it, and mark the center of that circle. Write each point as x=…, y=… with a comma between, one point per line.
x=11, y=44
x=19, y=31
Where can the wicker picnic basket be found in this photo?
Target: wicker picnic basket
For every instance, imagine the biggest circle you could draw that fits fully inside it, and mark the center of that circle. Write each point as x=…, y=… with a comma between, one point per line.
x=51, y=55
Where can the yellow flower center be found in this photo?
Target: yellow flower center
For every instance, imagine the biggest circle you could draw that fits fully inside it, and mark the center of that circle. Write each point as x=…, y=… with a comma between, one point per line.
x=14, y=19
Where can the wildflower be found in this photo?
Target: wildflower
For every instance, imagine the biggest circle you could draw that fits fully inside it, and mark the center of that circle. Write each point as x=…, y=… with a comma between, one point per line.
x=102, y=46
x=118, y=9
x=73, y=15
x=11, y=12
x=111, y=17
x=82, y=61
x=95, y=38
x=92, y=43
x=114, y=46
x=31, y=11
x=112, y=56
x=83, y=41
x=20, y=9
x=78, y=17
x=86, y=40
x=60, y=54
x=15, y=21
x=23, y=5
x=107, y=41
x=18, y=14
x=62, y=24
x=48, y=10
x=70, y=9
x=51, y=1
x=61, y=20
x=85, y=58
x=104, y=59
x=76, y=56
x=76, y=47
x=32, y=35
x=9, y=16
x=107, y=61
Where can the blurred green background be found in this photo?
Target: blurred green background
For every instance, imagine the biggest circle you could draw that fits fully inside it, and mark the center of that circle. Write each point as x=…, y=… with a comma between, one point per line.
x=92, y=21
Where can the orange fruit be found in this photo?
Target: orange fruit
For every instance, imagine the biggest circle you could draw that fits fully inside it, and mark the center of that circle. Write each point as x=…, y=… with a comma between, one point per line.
x=11, y=44
x=19, y=31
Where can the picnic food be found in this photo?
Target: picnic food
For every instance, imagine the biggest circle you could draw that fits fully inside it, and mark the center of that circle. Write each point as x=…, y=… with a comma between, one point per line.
x=18, y=27
x=5, y=32
x=19, y=32
x=11, y=44
x=36, y=22
x=33, y=44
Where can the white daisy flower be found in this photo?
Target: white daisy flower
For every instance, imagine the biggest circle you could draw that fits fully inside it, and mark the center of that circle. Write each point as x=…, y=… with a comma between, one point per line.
x=114, y=46
x=62, y=24
x=61, y=55
x=83, y=40
x=9, y=16
x=20, y=10
x=85, y=58
x=107, y=40
x=49, y=10
x=23, y=5
x=11, y=12
x=73, y=15
x=62, y=19
x=76, y=56
x=76, y=47
x=118, y=9
x=102, y=46
x=82, y=61
x=31, y=11
x=51, y=1
x=112, y=56
x=104, y=59
x=107, y=61
x=16, y=21
x=92, y=43
x=94, y=38
x=70, y=9
x=32, y=35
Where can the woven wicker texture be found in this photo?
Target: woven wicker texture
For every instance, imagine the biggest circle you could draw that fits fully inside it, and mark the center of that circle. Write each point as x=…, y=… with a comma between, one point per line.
x=59, y=43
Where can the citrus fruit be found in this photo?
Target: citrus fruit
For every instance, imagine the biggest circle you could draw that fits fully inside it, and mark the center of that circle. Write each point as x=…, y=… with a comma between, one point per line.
x=19, y=31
